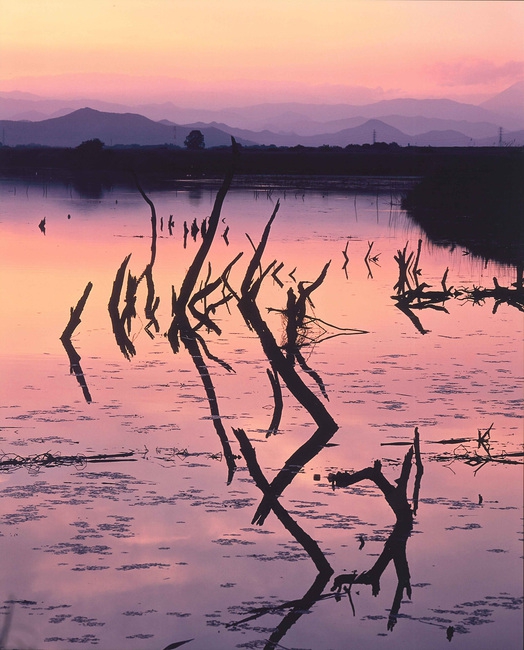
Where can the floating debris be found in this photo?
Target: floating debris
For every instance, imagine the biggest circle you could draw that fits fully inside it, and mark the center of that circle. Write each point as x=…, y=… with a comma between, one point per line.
x=35, y=462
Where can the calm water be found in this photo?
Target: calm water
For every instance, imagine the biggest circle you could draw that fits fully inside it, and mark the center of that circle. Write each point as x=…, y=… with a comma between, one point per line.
x=147, y=549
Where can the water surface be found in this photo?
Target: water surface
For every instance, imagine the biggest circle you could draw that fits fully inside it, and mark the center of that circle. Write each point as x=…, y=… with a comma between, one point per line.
x=132, y=475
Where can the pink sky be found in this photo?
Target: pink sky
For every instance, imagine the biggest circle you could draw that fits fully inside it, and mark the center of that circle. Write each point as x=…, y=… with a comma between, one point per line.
x=241, y=51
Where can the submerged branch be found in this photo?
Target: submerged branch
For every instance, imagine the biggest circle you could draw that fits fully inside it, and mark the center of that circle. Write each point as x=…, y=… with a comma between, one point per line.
x=395, y=546
x=74, y=319
x=74, y=358
x=286, y=370
x=117, y=321
x=307, y=542
x=279, y=403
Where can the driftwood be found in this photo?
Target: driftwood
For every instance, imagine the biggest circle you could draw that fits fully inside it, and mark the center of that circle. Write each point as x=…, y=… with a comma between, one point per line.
x=395, y=546
x=152, y=301
x=191, y=343
x=191, y=277
x=297, y=606
x=514, y=297
x=74, y=319
x=76, y=369
x=412, y=295
x=286, y=370
x=74, y=358
x=181, y=329
x=117, y=319
x=346, y=258
x=279, y=403
x=368, y=258
x=479, y=457
x=34, y=463
x=121, y=320
x=307, y=542
x=325, y=571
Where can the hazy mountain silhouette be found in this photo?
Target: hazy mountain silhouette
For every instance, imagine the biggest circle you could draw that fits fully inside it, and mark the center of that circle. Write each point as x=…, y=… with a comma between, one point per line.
x=420, y=124
x=19, y=106
x=416, y=122
x=508, y=102
x=366, y=133
x=503, y=110
x=112, y=128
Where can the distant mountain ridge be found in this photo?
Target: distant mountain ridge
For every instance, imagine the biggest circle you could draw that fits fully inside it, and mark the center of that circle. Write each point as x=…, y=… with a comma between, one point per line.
x=112, y=128
x=133, y=129
x=508, y=102
x=412, y=116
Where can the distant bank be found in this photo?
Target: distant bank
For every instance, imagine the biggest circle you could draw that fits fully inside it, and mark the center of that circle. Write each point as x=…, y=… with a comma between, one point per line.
x=169, y=163
x=458, y=195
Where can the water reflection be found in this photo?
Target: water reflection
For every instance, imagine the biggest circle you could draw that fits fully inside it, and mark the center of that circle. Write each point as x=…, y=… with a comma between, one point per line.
x=457, y=206
x=283, y=359
x=332, y=400
x=478, y=457
x=121, y=319
x=187, y=299
x=74, y=357
x=152, y=301
x=193, y=311
x=415, y=295
x=411, y=294
x=395, y=546
x=370, y=258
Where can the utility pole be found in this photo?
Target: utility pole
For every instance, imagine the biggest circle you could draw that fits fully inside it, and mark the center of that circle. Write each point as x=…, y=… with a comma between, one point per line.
x=500, y=136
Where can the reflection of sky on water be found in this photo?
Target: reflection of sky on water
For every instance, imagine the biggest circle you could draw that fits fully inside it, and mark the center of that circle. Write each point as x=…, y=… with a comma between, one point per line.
x=161, y=546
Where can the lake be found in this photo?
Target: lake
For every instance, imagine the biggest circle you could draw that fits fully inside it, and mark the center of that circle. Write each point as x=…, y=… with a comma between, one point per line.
x=260, y=451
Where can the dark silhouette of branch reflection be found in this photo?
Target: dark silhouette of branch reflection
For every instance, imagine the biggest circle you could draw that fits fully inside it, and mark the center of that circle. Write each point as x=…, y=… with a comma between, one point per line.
x=118, y=319
x=395, y=546
x=325, y=571
x=307, y=542
x=412, y=295
x=121, y=320
x=188, y=300
x=74, y=358
x=278, y=401
x=511, y=296
x=181, y=328
x=282, y=361
x=152, y=301
x=285, y=368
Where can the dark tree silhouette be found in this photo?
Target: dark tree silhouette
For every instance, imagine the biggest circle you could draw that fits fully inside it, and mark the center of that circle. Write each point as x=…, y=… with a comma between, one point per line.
x=93, y=146
x=195, y=140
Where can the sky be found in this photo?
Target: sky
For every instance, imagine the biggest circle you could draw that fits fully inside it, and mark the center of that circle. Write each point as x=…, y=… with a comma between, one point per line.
x=227, y=52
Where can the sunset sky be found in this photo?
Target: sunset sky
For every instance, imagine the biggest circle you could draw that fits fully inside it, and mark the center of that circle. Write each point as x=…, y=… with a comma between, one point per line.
x=246, y=51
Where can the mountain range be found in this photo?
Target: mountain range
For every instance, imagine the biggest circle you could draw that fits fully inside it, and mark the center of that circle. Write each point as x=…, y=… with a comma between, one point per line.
x=29, y=119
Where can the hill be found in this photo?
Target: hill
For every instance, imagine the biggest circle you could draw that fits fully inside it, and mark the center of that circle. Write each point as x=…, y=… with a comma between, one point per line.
x=112, y=128
x=132, y=129
x=412, y=116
